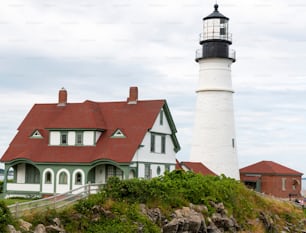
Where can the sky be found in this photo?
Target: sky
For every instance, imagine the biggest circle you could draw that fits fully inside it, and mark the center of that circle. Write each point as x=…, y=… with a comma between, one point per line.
x=98, y=49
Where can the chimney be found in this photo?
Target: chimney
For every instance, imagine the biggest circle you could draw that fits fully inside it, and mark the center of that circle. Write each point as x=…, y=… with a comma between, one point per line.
x=62, y=97
x=132, y=99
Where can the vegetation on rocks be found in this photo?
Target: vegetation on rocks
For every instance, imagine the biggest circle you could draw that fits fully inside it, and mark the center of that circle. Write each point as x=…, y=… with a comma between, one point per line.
x=5, y=217
x=138, y=205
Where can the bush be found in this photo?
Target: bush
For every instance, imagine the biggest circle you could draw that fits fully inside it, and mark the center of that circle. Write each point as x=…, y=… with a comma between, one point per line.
x=1, y=186
x=178, y=188
x=5, y=217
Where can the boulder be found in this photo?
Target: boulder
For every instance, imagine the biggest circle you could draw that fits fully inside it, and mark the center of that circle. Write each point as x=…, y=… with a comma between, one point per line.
x=185, y=220
x=11, y=229
x=40, y=228
x=26, y=226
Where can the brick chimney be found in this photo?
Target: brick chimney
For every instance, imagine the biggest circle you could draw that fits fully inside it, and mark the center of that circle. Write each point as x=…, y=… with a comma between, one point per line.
x=62, y=97
x=132, y=99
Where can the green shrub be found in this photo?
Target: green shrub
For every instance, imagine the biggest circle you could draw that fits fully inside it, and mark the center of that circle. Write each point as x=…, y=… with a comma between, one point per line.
x=1, y=186
x=5, y=217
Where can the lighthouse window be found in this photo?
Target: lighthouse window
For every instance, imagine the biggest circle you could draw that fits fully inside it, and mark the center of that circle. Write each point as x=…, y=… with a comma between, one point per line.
x=222, y=31
x=233, y=142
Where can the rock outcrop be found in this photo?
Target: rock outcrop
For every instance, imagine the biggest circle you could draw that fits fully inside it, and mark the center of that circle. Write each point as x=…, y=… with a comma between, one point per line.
x=191, y=219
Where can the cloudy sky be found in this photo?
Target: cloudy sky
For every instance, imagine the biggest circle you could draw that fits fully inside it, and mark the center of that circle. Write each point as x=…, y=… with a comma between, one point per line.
x=97, y=49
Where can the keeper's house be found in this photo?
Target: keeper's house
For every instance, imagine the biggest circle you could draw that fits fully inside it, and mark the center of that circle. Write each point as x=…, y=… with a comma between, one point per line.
x=62, y=146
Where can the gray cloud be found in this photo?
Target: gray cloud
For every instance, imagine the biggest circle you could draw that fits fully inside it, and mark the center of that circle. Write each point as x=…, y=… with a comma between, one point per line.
x=98, y=49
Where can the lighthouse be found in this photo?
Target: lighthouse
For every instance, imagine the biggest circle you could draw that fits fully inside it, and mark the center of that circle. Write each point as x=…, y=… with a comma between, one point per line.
x=213, y=139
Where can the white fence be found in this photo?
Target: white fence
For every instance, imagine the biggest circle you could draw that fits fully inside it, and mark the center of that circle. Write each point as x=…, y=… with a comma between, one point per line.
x=54, y=202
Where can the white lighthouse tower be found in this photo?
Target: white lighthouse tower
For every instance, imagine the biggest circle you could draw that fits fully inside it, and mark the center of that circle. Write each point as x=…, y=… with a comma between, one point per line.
x=214, y=142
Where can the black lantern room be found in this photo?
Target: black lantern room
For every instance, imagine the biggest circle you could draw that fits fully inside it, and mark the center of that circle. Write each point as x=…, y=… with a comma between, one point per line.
x=215, y=38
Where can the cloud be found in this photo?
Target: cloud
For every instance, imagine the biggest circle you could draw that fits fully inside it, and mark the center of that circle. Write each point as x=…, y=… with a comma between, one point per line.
x=97, y=49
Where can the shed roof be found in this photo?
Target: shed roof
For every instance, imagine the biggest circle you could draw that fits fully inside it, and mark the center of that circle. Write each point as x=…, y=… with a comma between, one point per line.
x=269, y=167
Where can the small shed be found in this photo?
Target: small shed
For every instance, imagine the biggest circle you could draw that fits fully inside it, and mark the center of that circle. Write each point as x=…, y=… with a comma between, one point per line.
x=273, y=179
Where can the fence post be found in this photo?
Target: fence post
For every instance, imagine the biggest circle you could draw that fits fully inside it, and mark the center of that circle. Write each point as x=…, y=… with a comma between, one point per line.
x=88, y=188
x=16, y=210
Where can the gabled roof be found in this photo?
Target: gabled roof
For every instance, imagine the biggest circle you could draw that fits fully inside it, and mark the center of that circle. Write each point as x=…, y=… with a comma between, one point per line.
x=269, y=167
x=196, y=167
x=133, y=119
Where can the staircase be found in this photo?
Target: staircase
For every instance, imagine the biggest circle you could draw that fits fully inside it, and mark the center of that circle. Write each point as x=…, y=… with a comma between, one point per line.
x=54, y=202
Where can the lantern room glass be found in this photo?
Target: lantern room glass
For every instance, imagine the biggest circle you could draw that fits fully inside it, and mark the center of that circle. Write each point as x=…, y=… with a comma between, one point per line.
x=215, y=28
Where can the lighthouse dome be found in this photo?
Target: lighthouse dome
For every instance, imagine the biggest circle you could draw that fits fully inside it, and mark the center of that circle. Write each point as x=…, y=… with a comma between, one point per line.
x=216, y=14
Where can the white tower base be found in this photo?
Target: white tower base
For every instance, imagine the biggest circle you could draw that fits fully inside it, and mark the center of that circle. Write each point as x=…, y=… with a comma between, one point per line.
x=214, y=141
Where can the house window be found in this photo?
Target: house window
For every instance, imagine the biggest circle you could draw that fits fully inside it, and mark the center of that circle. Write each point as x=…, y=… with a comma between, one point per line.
x=78, y=178
x=113, y=171
x=79, y=138
x=63, y=178
x=110, y=171
x=167, y=168
x=32, y=175
x=283, y=184
x=158, y=170
x=152, y=143
x=64, y=138
x=36, y=134
x=295, y=184
x=147, y=171
x=163, y=144
x=48, y=178
x=118, y=134
x=161, y=117
x=119, y=173
x=158, y=143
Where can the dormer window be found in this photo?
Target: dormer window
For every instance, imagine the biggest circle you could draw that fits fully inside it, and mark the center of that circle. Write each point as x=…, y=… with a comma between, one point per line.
x=36, y=134
x=64, y=138
x=118, y=134
x=79, y=138
x=73, y=137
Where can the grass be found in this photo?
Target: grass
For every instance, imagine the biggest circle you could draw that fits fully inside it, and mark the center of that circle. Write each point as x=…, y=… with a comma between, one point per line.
x=11, y=201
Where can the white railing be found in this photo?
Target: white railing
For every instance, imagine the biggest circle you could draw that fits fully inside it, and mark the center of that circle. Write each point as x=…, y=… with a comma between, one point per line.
x=232, y=54
x=23, y=187
x=199, y=54
x=54, y=202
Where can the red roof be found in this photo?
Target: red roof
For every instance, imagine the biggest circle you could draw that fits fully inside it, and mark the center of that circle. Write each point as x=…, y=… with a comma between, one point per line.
x=197, y=167
x=133, y=119
x=269, y=167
